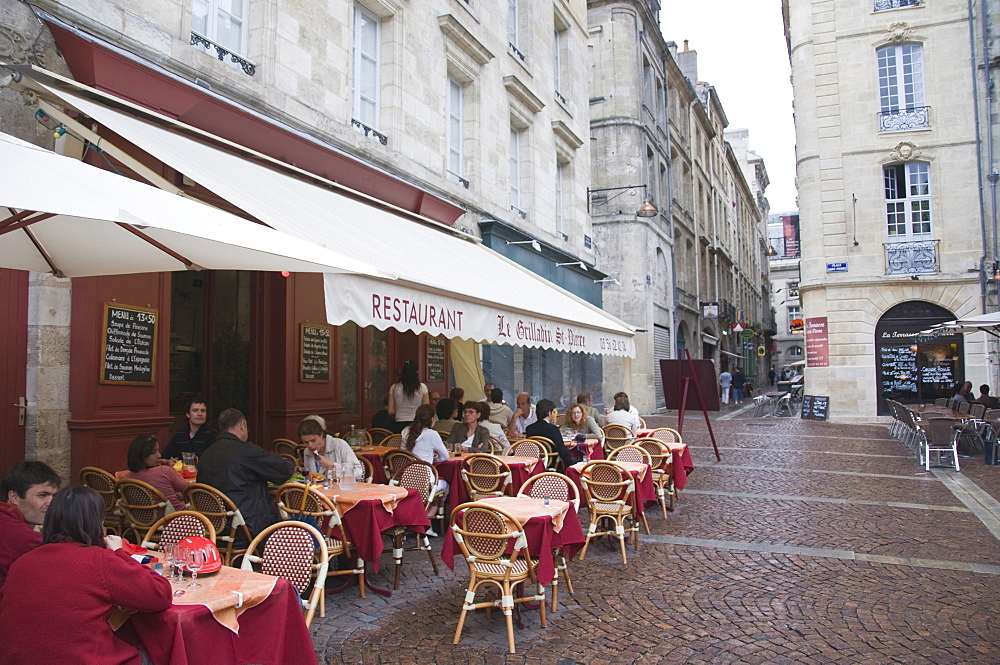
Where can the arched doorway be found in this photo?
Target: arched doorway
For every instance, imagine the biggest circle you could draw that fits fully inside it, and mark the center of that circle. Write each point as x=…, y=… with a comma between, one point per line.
x=910, y=367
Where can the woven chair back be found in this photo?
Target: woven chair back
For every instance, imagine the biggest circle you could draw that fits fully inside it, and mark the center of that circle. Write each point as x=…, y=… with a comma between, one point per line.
x=554, y=485
x=394, y=460
x=101, y=481
x=607, y=482
x=526, y=448
x=142, y=503
x=377, y=435
x=417, y=475
x=666, y=435
x=287, y=447
x=369, y=469
x=630, y=453
x=659, y=456
x=485, y=535
x=289, y=552
x=393, y=441
x=175, y=527
x=485, y=474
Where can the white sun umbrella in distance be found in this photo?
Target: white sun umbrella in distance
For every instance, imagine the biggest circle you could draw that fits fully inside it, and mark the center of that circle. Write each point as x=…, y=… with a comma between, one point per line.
x=60, y=215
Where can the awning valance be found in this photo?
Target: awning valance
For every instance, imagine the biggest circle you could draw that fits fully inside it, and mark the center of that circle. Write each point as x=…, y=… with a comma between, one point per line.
x=446, y=284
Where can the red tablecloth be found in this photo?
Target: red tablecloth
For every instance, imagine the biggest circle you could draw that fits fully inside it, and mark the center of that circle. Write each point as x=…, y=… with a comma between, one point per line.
x=645, y=490
x=681, y=460
x=595, y=449
x=367, y=519
x=521, y=468
x=542, y=538
x=271, y=633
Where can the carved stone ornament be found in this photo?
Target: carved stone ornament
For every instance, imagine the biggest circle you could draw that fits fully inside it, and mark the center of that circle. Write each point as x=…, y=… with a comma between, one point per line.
x=899, y=33
x=13, y=45
x=904, y=152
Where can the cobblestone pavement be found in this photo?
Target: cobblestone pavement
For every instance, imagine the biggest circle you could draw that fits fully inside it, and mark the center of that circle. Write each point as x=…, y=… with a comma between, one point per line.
x=809, y=542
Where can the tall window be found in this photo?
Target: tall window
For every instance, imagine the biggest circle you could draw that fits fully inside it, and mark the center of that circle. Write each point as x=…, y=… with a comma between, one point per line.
x=454, y=129
x=795, y=352
x=222, y=21
x=512, y=19
x=366, y=66
x=557, y=64
x=560, y=202
x=901, y=87
x=515, y=170
x=907, y=200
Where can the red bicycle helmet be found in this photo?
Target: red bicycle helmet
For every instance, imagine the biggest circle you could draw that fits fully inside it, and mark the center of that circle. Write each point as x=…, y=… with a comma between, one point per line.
x=213, y=561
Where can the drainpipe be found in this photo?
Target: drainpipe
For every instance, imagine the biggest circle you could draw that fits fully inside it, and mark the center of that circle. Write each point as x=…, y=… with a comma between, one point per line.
x=979, y=149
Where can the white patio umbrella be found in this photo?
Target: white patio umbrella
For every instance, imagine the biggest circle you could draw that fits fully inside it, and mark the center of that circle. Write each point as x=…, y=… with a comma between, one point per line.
x=60, y=215
x=988, y=323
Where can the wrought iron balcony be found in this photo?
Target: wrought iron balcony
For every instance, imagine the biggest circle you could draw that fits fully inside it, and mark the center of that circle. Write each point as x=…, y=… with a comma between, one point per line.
x=912, y=258
x=560, y=97
x=882, y=5
x=902, y=120
x=382, y=138
x=515, y=51
x=221, y=51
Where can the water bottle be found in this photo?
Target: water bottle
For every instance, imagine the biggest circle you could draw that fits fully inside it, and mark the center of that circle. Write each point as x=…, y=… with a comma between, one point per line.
x=547, y=499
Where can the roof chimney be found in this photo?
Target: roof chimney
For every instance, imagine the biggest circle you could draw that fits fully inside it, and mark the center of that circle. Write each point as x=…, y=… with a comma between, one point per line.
x=685, y=46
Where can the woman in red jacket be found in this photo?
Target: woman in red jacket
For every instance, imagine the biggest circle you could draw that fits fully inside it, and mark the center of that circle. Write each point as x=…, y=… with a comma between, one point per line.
x=55, y=604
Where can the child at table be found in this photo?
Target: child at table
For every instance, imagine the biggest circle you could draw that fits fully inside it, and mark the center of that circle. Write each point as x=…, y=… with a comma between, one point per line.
x=425, y=443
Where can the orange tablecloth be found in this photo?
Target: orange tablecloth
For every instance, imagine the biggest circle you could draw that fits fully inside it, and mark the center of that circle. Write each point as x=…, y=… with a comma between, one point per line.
x=347, y=499
x=524, y=508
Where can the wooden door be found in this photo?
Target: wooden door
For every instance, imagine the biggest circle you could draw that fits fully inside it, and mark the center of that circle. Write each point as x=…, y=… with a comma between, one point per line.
x=13, y=364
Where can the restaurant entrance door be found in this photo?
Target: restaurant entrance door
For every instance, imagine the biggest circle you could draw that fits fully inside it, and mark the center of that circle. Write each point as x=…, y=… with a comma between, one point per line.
x=911, y=368
x=13, y=365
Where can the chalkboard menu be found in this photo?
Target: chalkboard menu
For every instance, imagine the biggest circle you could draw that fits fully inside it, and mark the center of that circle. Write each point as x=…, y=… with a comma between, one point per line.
x=814, y=407
x=435, y=359
x=898, y=370
x=314, y=358
x=128, y=345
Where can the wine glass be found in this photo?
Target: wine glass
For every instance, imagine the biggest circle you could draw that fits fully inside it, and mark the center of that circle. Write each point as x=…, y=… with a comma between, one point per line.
x=176, y=558
x=168, y=556
x=196, y=560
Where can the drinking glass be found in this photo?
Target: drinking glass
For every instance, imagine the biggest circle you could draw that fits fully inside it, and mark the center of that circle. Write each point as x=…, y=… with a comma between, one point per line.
x=195, y=562
x=168, y=556
x=176, y=559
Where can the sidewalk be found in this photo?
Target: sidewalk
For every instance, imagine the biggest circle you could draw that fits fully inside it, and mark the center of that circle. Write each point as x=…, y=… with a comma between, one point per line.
x=810, y=542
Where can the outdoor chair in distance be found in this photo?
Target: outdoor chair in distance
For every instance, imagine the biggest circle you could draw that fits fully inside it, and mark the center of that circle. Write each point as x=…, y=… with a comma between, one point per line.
x=557, y=487
x=103, y=482
x=175, y=527
x=141, y=503
x=615, y=436
x=369, y=470
x=663, y=470
x=394, y=460
x=548, y=450
x=494, y=445
x=226, y=518
x=941, y=401
x=526, y=448
x=304, y=502
x=288, y=447
x=422, y=477
x=940, y=439
x=496, y=550
x=297, y=552
x=666, y=434
x=608, y=488
x=393, y=441
x=485, y=476
x=378, y=435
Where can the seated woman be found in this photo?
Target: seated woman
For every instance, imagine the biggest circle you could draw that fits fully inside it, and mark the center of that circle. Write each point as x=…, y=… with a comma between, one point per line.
x=577, y=420
x=57, y=598
x=420, y=438
x=623, y=414
x=144, y=464
x=470, y=435
x=325, y=451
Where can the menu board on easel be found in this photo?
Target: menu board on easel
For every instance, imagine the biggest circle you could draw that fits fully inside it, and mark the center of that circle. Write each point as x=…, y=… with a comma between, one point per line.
x=815, y=407
x=128, y=345
x=314, y=353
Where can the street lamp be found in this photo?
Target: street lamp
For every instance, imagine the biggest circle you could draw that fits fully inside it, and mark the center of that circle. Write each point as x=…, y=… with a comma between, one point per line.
x=647, y=209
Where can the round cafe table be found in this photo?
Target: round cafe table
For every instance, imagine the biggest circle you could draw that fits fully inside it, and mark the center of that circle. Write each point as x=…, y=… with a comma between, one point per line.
x=521, y=468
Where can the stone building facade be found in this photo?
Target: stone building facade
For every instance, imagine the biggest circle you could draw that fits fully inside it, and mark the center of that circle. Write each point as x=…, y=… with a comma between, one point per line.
x=894, y=227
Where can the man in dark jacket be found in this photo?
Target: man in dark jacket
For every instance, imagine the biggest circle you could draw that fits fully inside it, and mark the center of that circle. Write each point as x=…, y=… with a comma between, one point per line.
x=25, y=493
x=241, y=471
x=545, y=427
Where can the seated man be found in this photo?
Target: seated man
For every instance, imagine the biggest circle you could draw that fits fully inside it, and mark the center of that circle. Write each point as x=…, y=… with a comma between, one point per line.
x=545, y=427
x=25, y=493
x=241, y=471
x=587, y=402
x=500, y=413
x=196, y=437
x=989, y=401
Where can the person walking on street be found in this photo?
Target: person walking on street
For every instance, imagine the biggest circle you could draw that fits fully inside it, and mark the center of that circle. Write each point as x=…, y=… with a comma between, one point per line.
x=725, y=381
x=738, y=380
x=771, y=376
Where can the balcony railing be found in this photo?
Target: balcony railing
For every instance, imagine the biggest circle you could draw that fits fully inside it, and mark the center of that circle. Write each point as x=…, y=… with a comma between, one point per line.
x=902, y=120
x=882, y=5
x=221, y=52
x=375, y=134
x=912, y=258
x=515, y=51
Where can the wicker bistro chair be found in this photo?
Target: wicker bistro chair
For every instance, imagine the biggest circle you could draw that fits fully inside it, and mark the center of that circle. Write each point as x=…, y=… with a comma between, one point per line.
x=485, y=476
x=393, y=441
x=633, y=453
x=304, y=502
x=369, y=470
x=288, y=447
x=940, y=439
x=495, y=446
x=378, y=435
x=548, y=449
x=141, y=503
x=561, y=488
x=394, y=460
x=104, y=483
x=526, y=448
x=616, y=436
x=297, y=552
x=423, y=477
x=666, y=435
x=226, y=519
x=608, y=488
x=494, y=545
x=177, y=526
x=662, y=468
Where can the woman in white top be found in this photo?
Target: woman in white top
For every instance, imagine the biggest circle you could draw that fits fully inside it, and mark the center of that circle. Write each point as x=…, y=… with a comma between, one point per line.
x=425, y=443
x=406, y=395
x=325, y=451
x=623, y=415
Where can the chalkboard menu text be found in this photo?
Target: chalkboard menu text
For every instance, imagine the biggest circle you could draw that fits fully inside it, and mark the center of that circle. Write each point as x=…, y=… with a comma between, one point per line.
x=435, y=359
x=128, y=345
x=814, y=407
x=315, y=354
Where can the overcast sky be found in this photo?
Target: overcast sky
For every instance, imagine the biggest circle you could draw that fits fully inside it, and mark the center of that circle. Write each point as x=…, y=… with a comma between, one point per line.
x=741, y=51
